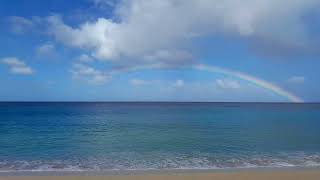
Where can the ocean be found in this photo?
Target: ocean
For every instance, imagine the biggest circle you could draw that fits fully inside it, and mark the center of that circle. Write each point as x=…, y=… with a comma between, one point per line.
x=39, y=136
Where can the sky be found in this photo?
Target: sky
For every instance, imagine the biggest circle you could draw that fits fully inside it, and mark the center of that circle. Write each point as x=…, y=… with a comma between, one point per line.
x=168, y=50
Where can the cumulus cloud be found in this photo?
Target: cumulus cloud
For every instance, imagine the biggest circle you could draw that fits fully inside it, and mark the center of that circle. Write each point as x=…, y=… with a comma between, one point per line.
x=89, y=74
x=85, y=58
x=158, y=31
x=227, y=84
x=296, y=79
x=17, y=66
x=46, y=50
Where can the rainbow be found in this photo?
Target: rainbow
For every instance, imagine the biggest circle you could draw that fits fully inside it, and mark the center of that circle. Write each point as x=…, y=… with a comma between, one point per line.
x=243, y=76
x=259, y=82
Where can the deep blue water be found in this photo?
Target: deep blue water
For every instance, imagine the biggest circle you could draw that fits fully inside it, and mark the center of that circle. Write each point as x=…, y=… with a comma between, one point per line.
x=106, y=136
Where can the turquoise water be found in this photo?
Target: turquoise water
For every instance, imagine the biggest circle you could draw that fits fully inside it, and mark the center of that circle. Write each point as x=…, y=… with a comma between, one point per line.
x=126, y=136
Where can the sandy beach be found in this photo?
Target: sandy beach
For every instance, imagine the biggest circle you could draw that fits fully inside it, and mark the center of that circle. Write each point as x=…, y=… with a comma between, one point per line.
x=243, y=175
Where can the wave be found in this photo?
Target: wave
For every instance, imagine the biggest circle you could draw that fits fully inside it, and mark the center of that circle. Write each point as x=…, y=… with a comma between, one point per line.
x=164, y=161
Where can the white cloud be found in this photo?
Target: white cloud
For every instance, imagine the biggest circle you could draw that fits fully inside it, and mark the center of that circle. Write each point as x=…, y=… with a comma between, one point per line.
x=158, y=31
x=91, y=75
x=85, y=58
x=104, y=3
x=227, y=84
x=138, y=82
x=46, y=50
x=179, y=83
x=17, y=66
x=20, y=25
x=169, y=57
x=296, y=79
x=12, y=61
x=21, y=70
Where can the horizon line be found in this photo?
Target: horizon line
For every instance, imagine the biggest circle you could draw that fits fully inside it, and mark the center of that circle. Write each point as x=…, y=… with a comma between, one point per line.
x=128, y=101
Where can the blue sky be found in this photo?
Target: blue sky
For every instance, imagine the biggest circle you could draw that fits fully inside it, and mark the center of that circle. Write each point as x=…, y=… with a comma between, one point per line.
x=170, y=50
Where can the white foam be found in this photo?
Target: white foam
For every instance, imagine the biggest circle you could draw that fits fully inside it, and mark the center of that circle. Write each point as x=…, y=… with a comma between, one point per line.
x=134, y=161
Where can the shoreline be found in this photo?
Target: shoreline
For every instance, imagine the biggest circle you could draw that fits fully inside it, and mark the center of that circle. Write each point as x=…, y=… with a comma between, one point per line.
x=152, y=171
x=279, y=174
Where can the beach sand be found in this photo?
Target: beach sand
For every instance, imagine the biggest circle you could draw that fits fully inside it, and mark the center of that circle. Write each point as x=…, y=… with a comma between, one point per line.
x=241, y=175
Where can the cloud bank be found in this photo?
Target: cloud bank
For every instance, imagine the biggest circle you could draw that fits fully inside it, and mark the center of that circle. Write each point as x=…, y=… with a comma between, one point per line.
x=149, y=31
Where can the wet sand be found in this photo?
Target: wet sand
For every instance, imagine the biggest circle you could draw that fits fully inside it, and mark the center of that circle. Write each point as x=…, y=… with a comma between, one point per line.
x=241, y=175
